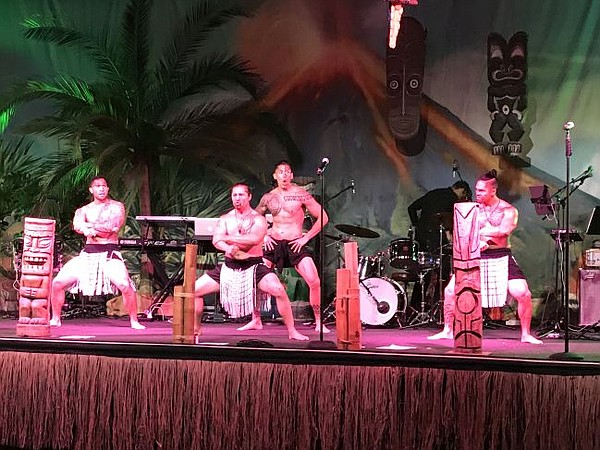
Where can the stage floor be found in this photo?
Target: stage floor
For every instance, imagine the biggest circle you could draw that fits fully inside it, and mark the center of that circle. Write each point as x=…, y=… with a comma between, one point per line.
x=500, y=343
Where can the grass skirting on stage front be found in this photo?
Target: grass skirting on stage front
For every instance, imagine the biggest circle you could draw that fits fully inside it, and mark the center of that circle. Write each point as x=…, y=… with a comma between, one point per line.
x=75, y=401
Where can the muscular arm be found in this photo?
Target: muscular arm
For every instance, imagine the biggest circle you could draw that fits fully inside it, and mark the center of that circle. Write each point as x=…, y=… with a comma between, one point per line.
x=253, y=233
x=110, y=218
x=498, y=226
x=80, y=223
x=262, y=207
x=314, y=208
x=110, y=221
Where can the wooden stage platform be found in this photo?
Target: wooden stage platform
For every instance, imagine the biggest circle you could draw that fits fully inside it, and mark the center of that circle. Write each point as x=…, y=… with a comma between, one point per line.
x=502, y=348
x=97, y=384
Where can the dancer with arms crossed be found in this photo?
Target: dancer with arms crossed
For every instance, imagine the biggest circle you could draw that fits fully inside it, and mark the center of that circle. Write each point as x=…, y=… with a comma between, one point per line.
x=99, y=268
x=500, y=272
x=240, y=234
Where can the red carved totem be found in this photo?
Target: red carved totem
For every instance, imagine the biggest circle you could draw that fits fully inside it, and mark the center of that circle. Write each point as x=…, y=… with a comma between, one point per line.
x=468, y=316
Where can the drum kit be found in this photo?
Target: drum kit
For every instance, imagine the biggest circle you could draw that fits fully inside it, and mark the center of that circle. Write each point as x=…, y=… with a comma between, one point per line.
x=384, y=277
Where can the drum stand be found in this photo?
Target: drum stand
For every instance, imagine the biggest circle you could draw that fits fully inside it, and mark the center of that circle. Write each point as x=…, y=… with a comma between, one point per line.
x=423, y=317
x=328, y=314
x=437, y=309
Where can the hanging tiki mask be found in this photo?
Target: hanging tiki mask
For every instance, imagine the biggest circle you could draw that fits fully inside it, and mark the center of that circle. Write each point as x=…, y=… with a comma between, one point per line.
x=507, y=93
x=405, y=67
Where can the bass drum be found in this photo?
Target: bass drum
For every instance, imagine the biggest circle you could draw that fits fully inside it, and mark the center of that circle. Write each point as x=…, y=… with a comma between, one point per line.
x=380, y=299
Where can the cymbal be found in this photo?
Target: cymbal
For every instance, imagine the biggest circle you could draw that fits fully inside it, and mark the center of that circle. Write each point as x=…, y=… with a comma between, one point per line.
x=357, y=231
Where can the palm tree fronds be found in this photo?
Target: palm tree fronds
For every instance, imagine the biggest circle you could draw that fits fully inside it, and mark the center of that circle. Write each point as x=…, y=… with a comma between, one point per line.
x=52, y=31
x=188, y=41
x=222, y=71
x=136, y=49
x=5, y=115
x=62, y=89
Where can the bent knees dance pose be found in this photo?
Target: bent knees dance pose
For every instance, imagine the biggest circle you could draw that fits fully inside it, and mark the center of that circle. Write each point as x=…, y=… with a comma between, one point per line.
x=500, y=273
x=285, y=242
x=99, y=268
x=240, y=234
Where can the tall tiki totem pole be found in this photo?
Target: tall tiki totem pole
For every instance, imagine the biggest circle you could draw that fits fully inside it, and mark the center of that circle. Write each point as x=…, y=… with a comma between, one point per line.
x=37, y=264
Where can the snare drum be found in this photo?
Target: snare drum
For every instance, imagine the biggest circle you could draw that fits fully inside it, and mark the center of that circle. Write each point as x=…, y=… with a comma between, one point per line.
x=402, y=252
x=370, y=266
x=592, y=258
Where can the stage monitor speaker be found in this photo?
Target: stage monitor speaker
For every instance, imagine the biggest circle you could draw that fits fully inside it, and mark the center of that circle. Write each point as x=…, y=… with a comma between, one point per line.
x=589, y=296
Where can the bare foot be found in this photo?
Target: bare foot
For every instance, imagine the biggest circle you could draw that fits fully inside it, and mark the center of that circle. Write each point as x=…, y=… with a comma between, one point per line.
x=529, y=339
x=254, y=324
x=297, y=336
x=444, y=334
x=137, y=326
x=318, y=328
x=55, y=323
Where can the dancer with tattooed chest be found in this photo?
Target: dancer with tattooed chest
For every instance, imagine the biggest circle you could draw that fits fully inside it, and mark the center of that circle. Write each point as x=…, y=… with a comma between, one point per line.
x=240, y=234
x=285, y=242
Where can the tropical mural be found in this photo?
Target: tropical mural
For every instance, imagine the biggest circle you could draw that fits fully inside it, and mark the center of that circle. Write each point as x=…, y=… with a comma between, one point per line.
x=172, y=101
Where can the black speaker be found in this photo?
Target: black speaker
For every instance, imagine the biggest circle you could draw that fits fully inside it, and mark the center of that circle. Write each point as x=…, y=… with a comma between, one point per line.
x=588, y=289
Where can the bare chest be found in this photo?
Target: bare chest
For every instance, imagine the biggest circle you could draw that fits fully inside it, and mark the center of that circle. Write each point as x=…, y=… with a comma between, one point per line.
x=287, y=204
x=101, y=213
x=490, y=216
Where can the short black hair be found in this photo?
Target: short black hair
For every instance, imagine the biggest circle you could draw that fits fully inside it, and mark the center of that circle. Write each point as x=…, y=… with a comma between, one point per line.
x=96, y=178
x=283, y=162
x=490, y=176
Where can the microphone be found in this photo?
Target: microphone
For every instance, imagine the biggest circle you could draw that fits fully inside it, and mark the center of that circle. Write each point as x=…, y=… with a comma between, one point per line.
x=352, y=185
x=589, y=172
x=322, y=166
x=568, y=125
x=454, y=168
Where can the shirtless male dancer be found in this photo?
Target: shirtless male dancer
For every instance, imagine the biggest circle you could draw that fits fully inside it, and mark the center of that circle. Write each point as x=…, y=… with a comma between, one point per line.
x=285, y=242
x=497, y=220
x=99, y=267
x=240, y=234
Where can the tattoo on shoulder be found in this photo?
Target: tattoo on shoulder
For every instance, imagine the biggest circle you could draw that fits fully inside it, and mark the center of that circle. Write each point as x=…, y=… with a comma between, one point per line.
x=273, y=203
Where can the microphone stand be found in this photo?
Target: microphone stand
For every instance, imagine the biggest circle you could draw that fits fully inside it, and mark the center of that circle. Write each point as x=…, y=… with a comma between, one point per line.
x=566, y=355
x=347, y=188
x=322, y=344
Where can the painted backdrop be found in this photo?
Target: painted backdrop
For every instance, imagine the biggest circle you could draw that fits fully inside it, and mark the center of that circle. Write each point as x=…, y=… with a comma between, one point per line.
x=325, y=67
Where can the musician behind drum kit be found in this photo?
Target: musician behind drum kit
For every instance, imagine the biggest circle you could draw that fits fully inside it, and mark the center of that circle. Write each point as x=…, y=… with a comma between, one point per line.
x=425, y=213
x=431, y=216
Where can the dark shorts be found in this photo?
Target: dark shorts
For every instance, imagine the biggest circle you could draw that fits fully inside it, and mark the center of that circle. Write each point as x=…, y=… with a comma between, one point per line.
x=243, y=264
x=514, y=271
x=283, y=256
x=112, y=250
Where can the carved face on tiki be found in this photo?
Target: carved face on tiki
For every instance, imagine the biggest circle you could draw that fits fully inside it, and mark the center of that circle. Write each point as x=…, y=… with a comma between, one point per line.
x=38, y=257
